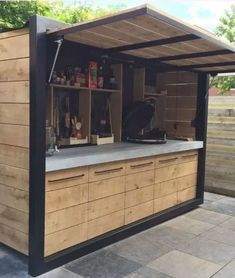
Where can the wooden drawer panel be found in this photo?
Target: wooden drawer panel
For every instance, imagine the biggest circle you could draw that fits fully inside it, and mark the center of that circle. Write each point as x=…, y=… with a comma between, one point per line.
x=187, y=194
x=66, y=197
x=106, y=223
x=140, y=164
x=175, y=171
x=106, y=171
x=165, y=202
x=105, y=206
x=166, y=160
x=165, y=188
x=187, y=181
x=139, y=180
x=66, y=238
x=65, y=218
x=105, y=188
x=66, y=178
x=138, y=212
x=138, y=196
x=188, y=156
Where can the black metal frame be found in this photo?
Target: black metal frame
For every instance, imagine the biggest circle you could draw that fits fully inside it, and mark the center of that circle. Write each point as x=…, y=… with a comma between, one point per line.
x=38, y=264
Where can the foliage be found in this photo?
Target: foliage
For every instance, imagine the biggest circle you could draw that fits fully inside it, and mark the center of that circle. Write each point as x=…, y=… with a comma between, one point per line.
x=14, y=14
x=226, y=29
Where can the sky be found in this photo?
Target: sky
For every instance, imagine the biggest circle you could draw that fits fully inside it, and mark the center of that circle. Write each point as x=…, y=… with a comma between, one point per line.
x=203, y=13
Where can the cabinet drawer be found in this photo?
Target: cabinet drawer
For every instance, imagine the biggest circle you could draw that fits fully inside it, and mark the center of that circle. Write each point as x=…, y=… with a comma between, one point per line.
x=187, y=181
x=106, y=171
x=166, y=160
x=138, y=196
x=105, y=224
x=186, y=194
x=165, y=202
x=165, y=188
x=175, y=171
x=64, y=239
x=188, y=156
x=139, y=165
x=105, y=206
x=66, y=178
x=105, y=188
x=66, y=197
x=65, y=218
x=138, y=212
x=139, y=180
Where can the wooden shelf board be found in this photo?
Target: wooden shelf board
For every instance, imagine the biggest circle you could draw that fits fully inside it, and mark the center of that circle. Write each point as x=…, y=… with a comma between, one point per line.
x=83, y=88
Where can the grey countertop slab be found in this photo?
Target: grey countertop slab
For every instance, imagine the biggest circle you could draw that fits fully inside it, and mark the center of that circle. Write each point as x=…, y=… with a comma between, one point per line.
x=91, y=155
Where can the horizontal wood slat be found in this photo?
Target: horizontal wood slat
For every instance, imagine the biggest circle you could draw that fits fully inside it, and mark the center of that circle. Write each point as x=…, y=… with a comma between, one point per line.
x=14, y=33
x=14, y=47
x=17, y=114
x=14, y=135
x=14, y=156
x=138, y=212
x=14, y=70
x=14, y=92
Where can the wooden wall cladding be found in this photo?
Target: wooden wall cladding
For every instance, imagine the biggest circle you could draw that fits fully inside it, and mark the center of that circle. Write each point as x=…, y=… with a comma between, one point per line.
x=114, y=195
x=220, y=157
x=181, y=102
x=14, y=138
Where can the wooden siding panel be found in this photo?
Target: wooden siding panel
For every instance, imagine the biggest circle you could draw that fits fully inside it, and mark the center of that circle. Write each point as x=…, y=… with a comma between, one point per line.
x=14, y=135
x=14, y=113
x=14, y=70
x=14, y=92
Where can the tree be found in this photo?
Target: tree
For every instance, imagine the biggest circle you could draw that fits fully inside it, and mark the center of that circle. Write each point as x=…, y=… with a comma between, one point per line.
x=226, y=29
x=14, y=14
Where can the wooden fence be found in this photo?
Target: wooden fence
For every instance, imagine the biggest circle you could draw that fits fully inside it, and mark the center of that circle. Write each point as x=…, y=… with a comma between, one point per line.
x=220, y=160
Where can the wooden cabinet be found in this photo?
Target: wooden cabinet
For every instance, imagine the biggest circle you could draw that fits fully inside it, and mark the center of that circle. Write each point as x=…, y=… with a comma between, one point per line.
x=86, y=202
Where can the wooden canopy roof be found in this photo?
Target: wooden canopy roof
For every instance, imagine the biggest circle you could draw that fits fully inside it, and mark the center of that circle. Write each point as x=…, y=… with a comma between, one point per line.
x=149, y=34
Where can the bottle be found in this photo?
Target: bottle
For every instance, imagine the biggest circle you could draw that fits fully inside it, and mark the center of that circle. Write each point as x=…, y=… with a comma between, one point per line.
x=100, y=79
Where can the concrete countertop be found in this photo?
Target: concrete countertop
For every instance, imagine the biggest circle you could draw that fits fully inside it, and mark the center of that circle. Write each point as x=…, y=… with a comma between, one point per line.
x=91, y=155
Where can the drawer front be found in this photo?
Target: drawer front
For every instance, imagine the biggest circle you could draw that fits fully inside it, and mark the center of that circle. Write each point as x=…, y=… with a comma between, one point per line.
x=165, y=188
x=105, y=224
x=106, y=171
x=166, y=160
x=66, y=178
x=139, y=165
x=65, y=218
x=187, y=181
x=105, y=206
x=187, y=194
x=105, y=188
x=138, y=212
x=64, y=239
x=165, y=202
x=66, y=197
x=138, y=196
x=175, y=171
x=188, y=156
x=139, y=180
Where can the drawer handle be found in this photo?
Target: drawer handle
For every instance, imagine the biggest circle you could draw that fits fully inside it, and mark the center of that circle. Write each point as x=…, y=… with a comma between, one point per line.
x=168, y=160
x=141, y=165
x=189, y=155
x=65, y=179
x=108, y=171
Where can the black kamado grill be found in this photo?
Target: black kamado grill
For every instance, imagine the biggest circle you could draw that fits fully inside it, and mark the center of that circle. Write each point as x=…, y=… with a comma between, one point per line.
x=137, y=117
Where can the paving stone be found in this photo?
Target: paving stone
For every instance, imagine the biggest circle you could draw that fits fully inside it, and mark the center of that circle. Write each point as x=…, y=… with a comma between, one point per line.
x=103, y=264
x=208, y=216
x=139, y=249
x=10, y=264
x=229, y=224
x=212, y=196
x=220, y=208
x=226, y=272
x=207, y=249
x=16, y=274
x=60, y=273
x=189, y=225
x=181, y=265
x=147, y=272
x=221, y=234
x=227, y=201
x=168, y=236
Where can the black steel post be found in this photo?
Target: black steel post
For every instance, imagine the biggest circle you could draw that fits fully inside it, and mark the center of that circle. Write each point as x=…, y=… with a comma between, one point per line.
x=201, y=129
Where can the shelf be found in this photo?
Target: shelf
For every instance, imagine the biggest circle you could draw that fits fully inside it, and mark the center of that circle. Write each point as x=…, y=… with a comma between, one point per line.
x=83, y=88
x=154, y=94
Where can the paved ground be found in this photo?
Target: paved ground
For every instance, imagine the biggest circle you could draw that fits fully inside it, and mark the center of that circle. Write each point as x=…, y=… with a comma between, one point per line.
x=199, y=244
